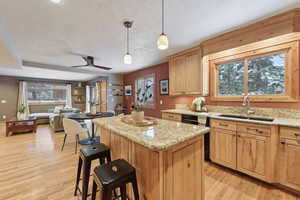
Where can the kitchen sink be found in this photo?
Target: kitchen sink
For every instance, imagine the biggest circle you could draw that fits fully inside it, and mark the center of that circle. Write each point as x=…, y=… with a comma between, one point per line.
x=248, y=118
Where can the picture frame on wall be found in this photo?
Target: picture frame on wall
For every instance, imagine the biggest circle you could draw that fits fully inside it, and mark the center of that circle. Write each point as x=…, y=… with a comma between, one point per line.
x=164, y=87
x=128, y=90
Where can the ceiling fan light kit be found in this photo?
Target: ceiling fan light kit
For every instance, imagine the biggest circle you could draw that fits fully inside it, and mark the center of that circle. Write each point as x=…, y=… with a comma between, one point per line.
x=127, y=56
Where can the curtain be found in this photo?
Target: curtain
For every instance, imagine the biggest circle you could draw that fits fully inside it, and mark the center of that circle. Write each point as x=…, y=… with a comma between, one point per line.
x=69, y=95
x=88, y=99
x=22, y=100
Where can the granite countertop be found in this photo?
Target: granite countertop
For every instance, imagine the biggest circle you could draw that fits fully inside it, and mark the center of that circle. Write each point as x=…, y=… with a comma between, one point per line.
x=277, y=121
x=158, y=137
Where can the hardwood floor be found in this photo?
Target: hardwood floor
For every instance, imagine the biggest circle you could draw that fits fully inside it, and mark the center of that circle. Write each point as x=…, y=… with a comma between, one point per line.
x=32, y=167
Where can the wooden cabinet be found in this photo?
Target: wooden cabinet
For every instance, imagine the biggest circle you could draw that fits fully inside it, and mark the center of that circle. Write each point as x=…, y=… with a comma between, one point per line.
x=171, y=116
x=102, y=89
x=289, y=157
x=246, y=147
x=223, y=147
x=186, y=74
x=253, y=155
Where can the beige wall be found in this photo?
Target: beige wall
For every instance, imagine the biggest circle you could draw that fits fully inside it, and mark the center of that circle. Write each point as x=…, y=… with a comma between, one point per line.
x=9, y=93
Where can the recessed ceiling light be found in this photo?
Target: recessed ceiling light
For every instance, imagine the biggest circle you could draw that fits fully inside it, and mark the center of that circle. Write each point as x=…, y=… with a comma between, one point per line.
x=57, y=1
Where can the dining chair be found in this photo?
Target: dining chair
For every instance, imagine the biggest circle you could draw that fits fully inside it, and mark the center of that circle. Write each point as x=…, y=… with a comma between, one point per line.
x=74, y=128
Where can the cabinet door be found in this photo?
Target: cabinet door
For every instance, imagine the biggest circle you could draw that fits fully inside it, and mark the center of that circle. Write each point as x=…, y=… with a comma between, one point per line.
x=253, y=155
x=193, y=73
x=290, y=163
x=177, y=75
x=223, y=147
x=187, y=172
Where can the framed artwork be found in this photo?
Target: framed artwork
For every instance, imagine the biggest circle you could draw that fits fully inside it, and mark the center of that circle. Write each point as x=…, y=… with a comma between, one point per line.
x=128, y=90
x=144, y=91
x=164, y=87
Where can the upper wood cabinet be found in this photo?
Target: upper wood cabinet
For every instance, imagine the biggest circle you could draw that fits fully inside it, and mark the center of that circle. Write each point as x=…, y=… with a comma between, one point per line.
x=186, y=73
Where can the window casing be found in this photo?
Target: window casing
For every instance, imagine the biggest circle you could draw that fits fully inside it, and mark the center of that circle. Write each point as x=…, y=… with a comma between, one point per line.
x=266, y=74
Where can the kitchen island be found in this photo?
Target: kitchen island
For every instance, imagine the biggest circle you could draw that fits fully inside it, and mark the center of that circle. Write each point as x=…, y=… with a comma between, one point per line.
x=168, y=156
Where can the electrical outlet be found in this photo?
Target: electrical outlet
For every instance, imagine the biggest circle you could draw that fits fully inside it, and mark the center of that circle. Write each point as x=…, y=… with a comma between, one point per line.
x=3, y=101
x=161, y=102
x=3, y=116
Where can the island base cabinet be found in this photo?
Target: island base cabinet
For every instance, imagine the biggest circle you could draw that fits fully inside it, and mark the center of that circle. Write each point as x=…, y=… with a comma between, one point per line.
x=290, y=163
x=173, y=174
x=184, y=172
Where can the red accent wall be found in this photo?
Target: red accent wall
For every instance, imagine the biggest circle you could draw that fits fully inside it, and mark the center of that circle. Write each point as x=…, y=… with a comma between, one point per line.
x=161, y=71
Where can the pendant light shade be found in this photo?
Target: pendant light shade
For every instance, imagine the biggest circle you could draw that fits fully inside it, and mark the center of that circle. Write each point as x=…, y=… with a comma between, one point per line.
x=127, y=57
x=163, y=41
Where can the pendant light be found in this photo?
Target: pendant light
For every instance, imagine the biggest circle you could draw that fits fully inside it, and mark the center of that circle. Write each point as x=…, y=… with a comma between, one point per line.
x=127, y=57
x=163, y=42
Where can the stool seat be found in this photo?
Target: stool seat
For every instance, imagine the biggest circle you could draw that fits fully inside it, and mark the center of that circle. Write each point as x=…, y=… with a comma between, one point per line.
x=114, y=172
x=113, y=175
x=93, y=150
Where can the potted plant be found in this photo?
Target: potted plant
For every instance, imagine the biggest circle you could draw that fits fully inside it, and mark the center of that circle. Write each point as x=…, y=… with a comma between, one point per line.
x=137, y=113
x=21, y=115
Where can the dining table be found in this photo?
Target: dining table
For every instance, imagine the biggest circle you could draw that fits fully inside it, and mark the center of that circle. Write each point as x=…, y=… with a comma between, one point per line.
x=82, y=117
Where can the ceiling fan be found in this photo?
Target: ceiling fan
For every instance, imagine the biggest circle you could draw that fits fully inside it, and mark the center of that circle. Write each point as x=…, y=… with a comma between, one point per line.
x=90, y=63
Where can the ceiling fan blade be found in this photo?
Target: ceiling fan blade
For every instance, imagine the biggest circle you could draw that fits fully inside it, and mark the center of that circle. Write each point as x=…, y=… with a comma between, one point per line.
x=80, y=66
x=101, y=67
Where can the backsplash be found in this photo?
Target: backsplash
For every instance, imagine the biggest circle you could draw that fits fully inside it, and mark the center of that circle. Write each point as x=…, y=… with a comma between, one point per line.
x=263, y=112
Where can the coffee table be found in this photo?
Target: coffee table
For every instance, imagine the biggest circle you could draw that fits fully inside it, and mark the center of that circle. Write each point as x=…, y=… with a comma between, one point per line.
x=15, y=125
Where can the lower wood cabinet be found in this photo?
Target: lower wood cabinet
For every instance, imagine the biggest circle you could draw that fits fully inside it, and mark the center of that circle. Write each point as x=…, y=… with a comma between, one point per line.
x=245, y=147
x=289, y=151
x=172, y=116
x=223, y=147
x=253, y=155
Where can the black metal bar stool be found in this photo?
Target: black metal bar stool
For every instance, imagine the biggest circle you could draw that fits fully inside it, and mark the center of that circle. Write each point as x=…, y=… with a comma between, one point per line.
x=115, y=174
x=86, y=156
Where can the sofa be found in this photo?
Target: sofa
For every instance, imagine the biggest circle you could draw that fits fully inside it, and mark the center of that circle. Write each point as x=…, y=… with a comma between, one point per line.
x=56, y=118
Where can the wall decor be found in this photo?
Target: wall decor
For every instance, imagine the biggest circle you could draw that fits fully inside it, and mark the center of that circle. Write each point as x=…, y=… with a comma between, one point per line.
x=144, y=90
x=164, y=87
x=128, y=90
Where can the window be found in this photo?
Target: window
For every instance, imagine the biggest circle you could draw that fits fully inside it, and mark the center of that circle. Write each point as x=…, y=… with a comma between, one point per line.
x=46, y=93
x=144, y=90
x=266, y=74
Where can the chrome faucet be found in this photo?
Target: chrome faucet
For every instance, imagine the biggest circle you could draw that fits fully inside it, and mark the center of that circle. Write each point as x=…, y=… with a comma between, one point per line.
x=246, y=103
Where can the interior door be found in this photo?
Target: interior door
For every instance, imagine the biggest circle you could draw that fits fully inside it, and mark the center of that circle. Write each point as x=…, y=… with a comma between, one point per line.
x=290, y=163
x=253, y=154
x=223, y=147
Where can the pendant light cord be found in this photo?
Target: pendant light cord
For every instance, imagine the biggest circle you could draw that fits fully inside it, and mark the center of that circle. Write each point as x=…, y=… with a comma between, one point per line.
x=127, y=40
x=163, y=16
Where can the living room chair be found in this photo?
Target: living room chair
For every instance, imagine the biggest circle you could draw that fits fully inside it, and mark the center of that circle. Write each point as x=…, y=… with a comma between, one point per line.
x=74, y=128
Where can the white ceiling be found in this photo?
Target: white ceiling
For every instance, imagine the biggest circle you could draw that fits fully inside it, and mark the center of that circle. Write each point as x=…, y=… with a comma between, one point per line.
x=40, y=31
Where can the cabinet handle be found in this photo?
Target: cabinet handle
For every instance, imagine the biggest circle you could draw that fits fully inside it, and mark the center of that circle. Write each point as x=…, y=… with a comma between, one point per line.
x=253, y=129
x=221, y=124
x=282, y=142
x=297, y=134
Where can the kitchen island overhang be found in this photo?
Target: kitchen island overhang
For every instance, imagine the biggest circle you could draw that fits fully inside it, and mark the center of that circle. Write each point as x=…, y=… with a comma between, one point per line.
x=168, y=156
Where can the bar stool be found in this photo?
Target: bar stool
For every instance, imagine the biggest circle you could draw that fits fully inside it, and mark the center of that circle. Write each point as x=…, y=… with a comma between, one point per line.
x=115, y=174
x=86, y=156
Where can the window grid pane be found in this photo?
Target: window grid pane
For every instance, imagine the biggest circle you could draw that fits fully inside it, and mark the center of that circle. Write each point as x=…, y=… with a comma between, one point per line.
x=231, y=78
x=266, y=75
